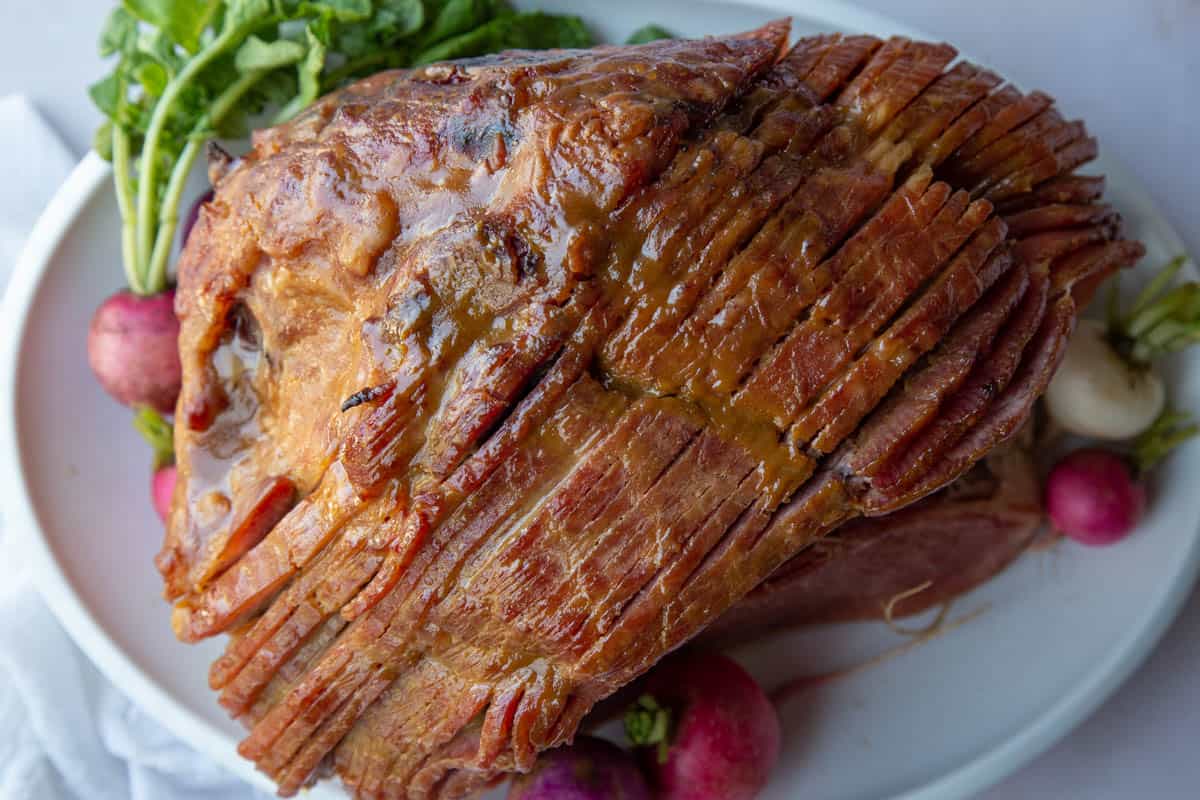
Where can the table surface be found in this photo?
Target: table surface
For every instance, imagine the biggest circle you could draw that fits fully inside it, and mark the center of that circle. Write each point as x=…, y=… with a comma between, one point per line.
x=1131, y=68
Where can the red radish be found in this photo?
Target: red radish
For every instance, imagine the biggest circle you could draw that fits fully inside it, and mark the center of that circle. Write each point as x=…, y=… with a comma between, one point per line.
x=133, y=348
x=721, y=732
x=587, y=769
x=1093, y=497
x=162, y=489
x=193, y=214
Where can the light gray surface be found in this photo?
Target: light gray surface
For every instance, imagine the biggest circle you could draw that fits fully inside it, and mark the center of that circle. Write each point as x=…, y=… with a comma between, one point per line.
x=1132, y=69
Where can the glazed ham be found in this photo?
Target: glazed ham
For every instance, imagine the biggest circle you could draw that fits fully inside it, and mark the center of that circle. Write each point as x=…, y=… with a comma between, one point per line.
x=504, y=378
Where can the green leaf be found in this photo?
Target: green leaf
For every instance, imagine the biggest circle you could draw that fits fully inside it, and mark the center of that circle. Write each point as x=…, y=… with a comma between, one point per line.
x=244, y=14
x=377, y=42
x=648, y=724
x=119, y=32
x=400, y=17
x=152, y=77
x=340, y=10
x=182, y=20
x=273, y=91
x=649, y=33
x=1169, y=431
x=1156, y=286
x=1162, y=320
x=102, y=140
x=256, y=54
x=156, y=46
x=309, y=74
x=536, y=31
x=455, y=17
x=310, y=67
x=106, y=93
x=277, y=89
x=157, y=432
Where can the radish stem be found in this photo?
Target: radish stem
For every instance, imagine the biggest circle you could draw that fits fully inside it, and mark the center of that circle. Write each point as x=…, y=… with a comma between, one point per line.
x=147, y=209
x=156, y=275
x=123, y=180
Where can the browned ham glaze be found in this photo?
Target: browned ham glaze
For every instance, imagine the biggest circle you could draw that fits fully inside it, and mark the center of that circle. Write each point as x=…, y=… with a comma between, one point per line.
x=504, y=378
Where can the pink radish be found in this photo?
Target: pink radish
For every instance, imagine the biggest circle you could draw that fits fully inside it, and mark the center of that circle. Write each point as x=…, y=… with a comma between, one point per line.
x=162, y=489
x=1093, y=497
x=133, y=348
x=708, y=730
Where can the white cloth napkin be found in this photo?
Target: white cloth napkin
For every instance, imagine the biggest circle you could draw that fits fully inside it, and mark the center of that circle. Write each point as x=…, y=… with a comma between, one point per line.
x=65, y=732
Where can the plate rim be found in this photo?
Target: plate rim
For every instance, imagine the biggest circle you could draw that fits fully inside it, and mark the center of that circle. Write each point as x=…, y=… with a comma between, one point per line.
x=974, y=774
x=89, y=176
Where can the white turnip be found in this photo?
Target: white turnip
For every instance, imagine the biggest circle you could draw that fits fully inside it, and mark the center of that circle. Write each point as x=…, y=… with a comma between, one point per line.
x=133, y=349
x=1098, y=393
x=1107, y=387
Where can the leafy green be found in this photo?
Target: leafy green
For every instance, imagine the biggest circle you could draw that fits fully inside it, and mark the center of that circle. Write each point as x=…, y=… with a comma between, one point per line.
x=119, y=33
x=534, y=31
x=106, y=94
x=157, y=432
x=1162, y=320
x=648, y=724
x=186, y=70
x=649, y=33
x=309, y=77
x=182, y=20
x=340, y=10
x=399, y=17
x=394, y=21
x=1171, y=429
x=102, y=140
x=240, y=15
x=453, y=17
x=255, y=54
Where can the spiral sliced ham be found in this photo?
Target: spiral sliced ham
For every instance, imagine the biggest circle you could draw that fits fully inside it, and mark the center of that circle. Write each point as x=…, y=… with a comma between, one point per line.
x=504, y=378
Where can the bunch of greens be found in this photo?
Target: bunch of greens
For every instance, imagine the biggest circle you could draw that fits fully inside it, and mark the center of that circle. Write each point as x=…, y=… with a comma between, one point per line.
x=189, y=70
x=1162, y=320
x=1170, y=429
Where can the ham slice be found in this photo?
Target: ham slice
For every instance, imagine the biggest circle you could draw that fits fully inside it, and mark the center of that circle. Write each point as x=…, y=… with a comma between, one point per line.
x=890, y=567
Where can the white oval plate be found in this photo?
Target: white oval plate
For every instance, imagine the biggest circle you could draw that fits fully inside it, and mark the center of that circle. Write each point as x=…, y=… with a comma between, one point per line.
x=1061, y=629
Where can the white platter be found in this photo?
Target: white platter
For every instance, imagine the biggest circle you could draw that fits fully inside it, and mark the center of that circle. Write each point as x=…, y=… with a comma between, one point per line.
x=1060, y=632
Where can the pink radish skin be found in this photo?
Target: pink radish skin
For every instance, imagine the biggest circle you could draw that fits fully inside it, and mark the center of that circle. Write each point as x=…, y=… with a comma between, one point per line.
x=725, y=732
x=1093, y=497
x=133, y=348
x=162, y=489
